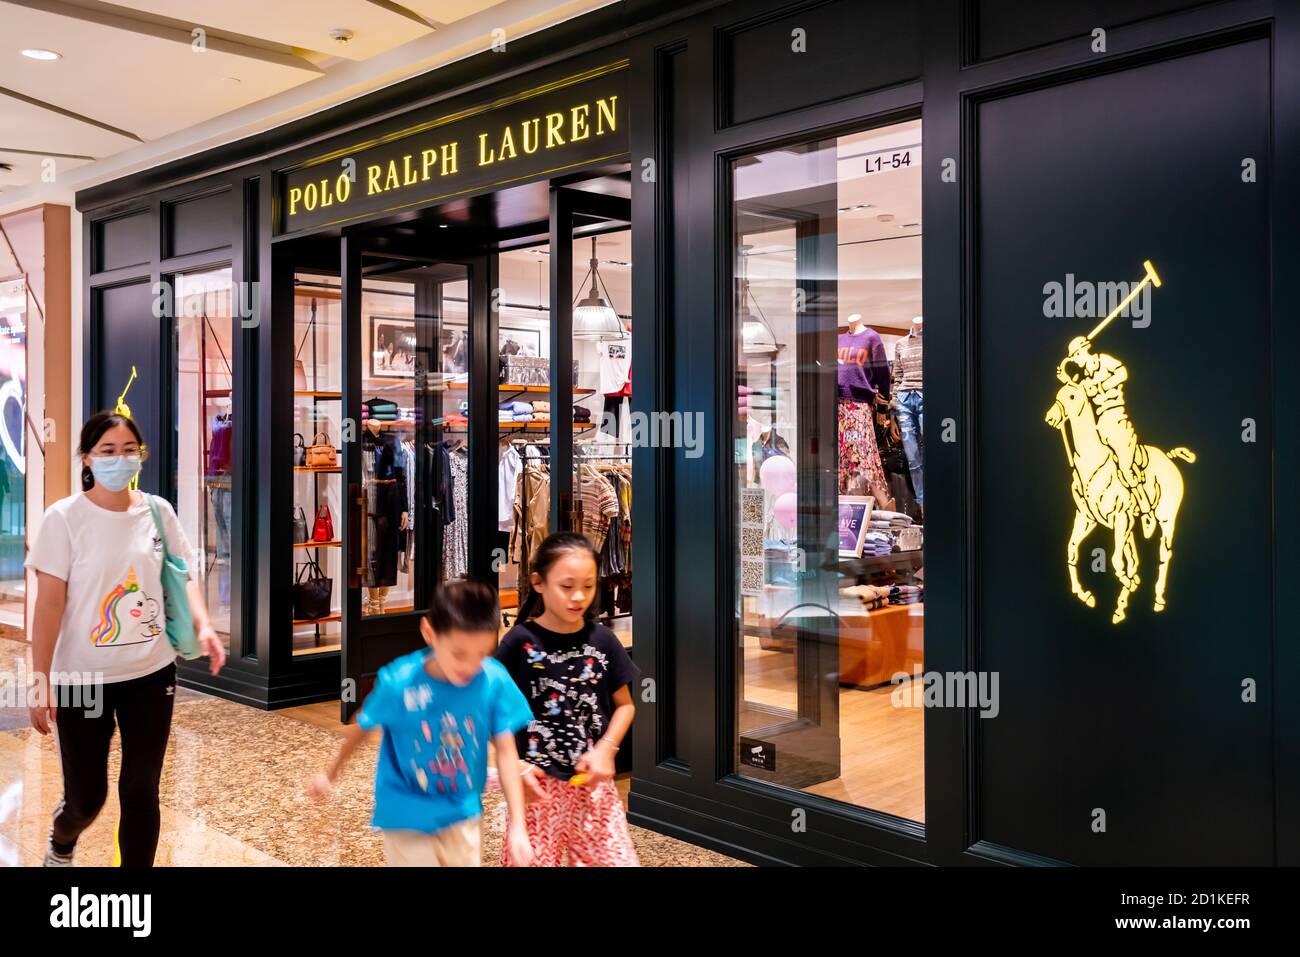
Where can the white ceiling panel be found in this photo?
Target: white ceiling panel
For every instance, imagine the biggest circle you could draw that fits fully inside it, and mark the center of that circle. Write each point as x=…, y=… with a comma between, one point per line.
x=449, y=11
x=298, y=23
x=136, y=82
x=29, y=169
x=29, y=126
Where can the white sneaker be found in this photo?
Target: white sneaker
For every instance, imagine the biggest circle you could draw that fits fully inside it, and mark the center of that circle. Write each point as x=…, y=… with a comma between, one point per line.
x=54, y=859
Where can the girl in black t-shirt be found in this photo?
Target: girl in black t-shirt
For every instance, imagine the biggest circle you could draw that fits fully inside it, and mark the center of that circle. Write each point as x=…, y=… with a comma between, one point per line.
x=575, y=675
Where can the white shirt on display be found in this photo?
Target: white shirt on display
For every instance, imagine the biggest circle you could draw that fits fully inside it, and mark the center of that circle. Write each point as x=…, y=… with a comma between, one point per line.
x=615, y=365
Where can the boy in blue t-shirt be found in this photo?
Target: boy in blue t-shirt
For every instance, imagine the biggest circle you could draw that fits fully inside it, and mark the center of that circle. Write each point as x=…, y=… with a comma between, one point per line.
x=438, y=709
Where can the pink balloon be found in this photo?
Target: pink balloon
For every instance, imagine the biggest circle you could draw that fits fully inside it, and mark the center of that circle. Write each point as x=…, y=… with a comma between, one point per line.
x=786, y=510
x=777, y=475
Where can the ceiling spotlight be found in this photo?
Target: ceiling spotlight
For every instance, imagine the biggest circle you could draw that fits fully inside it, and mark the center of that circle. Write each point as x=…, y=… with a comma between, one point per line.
x=339, y=35
x=37, y=54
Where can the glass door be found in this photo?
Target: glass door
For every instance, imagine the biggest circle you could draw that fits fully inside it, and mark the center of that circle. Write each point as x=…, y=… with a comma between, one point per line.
x=407, y=441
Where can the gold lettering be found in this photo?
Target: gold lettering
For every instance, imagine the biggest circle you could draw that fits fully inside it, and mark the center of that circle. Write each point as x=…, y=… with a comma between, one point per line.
x=580, y=128
x=343, y=187
x=326, y=197
x=605, y=110
x=535, y=139
x=295, y=195
x=391, y=181
x=485, y=156
x=448, y=158
x=427, y=159
x=408, y=175
x=372, y=180
x=309, y=196
x=508, y=143
x=554, y=124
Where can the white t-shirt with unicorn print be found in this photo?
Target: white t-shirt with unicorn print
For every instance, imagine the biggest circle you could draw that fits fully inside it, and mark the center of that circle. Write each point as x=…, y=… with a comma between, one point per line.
x=113, y=625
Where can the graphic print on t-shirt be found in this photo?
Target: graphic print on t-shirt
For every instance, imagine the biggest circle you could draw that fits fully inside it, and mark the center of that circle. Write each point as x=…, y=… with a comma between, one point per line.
x=569, y=722
x=127, y=616
x=446, y=758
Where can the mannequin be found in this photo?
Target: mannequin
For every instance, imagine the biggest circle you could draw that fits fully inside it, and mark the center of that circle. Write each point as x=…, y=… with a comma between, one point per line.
x=862, y=376
x=909, y=404
x=615, y=379
x=385, y=479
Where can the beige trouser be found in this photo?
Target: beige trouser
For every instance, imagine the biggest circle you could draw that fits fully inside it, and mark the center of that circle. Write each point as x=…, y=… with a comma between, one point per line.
x=454, y=846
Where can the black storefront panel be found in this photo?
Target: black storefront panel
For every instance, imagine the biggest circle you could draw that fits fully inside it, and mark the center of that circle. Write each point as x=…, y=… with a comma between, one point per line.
x=128, y=357
x=1005, y=26
x=1139, y=725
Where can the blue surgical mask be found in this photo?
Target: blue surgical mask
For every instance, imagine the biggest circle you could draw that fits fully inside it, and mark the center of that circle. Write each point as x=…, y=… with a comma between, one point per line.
x=115, y=472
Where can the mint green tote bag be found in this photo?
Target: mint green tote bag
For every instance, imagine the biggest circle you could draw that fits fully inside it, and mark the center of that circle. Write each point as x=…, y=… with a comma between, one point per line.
x=176, y=600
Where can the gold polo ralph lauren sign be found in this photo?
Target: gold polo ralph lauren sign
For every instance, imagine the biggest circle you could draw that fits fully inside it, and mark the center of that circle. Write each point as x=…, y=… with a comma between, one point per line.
x=542, y=131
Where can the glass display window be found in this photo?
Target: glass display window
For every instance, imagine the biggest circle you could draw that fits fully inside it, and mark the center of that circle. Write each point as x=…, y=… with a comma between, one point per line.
x=830, y=570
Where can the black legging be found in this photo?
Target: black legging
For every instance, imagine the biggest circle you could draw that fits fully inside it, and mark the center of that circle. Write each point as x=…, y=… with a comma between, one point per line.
x=143, y=710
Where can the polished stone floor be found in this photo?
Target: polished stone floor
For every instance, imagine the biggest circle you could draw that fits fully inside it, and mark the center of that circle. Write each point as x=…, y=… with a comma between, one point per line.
x=232, y=793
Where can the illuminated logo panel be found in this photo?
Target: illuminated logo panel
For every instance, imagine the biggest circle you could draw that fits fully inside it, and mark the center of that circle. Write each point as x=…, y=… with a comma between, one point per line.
x=1115, y=480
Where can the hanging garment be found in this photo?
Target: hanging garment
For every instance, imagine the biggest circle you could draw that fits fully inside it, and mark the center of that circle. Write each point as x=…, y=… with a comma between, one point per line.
x=509, y=465
x=455, y=540
x=219, y=450
x=859, y=455
x=599, y=505
x=386, y=491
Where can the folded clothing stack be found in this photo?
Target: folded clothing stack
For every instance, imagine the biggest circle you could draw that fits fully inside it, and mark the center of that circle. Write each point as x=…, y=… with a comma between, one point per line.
x=542, y=408
x=906, y=594
x=581, y=413
x=381, y=410
x=877, y=542
x=516, y=412
x=871, y=596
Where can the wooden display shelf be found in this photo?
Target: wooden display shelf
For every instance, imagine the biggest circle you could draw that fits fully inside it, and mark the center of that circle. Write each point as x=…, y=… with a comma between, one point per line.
x=216, y=393
x=316, y=621
x=319, y=394
x=333, y=544
x=318, y=468
x=544, y=425
x=520, y=389
x=317, y=649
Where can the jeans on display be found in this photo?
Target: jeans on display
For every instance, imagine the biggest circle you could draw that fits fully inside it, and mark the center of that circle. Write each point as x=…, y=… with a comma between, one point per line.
x=911, y=422
x=221, y=515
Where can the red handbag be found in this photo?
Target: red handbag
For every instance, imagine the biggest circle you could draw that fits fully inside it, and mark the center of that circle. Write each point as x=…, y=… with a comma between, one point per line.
x=323, y=529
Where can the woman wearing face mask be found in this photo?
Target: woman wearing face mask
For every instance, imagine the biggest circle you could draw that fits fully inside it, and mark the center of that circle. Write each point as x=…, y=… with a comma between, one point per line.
x=99, y=645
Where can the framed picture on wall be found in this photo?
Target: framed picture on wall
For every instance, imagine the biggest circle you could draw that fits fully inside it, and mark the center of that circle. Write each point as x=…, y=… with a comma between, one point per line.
x=511, y=341
x=392, y=347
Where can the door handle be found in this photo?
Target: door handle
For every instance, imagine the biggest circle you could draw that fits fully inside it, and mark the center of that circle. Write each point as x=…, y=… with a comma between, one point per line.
x=356, y=534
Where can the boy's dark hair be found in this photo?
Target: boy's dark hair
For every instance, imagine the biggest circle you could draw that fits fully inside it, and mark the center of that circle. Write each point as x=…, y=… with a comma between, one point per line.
x=464, y=604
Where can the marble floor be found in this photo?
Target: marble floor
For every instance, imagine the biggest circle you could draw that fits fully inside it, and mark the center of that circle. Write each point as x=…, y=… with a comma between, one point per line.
x=232, y=792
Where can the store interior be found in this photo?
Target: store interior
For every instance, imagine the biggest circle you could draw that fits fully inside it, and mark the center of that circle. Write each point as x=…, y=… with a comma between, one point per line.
x=830, y=231
x=414, y=431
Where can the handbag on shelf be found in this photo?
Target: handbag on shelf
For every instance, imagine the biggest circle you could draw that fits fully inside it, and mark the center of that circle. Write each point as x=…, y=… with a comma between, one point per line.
x=299, y=525
x=311, y=595
x=299, y=449
x=323, y=527
x=321, y=453
x=176, y=600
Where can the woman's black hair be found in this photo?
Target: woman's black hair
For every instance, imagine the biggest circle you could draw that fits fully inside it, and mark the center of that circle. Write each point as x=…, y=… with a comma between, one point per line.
x=553, y=547
x=93, y=431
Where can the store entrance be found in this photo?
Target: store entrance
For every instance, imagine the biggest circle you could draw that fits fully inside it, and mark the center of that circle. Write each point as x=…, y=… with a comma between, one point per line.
x=472, y=374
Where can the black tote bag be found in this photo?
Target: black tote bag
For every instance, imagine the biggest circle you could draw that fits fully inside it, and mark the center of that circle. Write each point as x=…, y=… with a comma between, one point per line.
x=311, y=595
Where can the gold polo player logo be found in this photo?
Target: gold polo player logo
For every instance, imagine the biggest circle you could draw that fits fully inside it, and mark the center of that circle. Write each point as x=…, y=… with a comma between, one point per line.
x=1116, y=481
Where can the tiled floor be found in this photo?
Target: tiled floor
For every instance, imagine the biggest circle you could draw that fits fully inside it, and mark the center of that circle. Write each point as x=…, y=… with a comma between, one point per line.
x=232, y=792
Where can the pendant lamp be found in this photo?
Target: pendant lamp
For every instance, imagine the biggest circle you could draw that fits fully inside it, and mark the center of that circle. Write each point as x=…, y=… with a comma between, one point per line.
x=756, y=336
x=594, y=318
